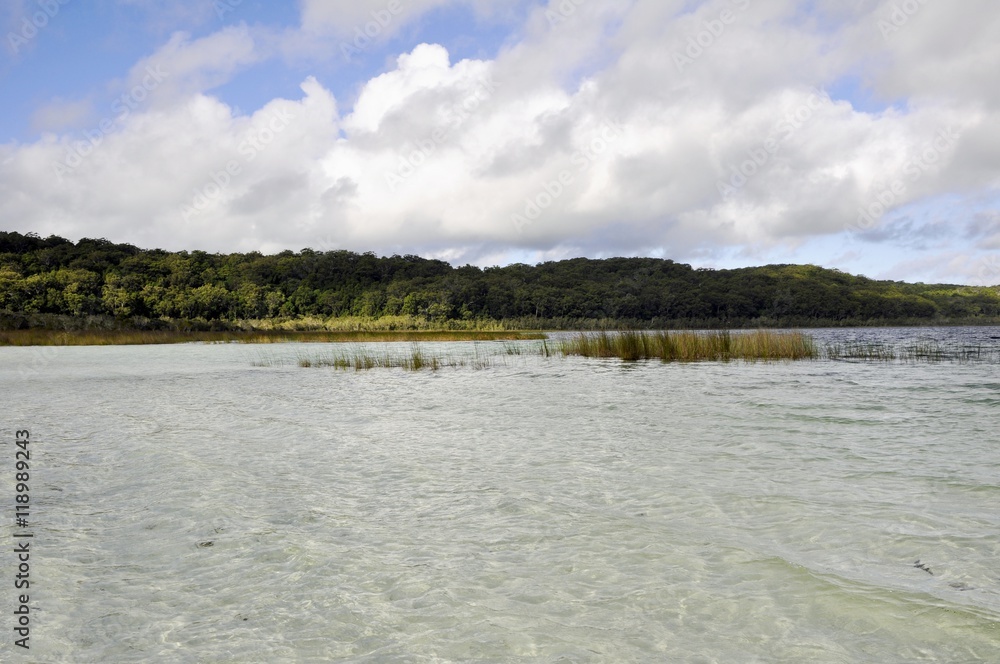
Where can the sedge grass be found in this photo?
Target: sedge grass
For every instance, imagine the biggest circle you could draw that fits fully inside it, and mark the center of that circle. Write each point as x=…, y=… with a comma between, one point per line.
x=478, y=355
x=632, y=346
x=366, y=361
x=861, y=350
x=928, y=351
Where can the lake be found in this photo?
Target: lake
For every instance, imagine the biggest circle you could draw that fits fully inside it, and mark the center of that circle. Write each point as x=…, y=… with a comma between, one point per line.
x=220, y=503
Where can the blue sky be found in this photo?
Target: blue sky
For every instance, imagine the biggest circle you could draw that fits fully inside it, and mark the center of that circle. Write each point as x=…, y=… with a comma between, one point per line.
x=88, y=46
x=721, y=133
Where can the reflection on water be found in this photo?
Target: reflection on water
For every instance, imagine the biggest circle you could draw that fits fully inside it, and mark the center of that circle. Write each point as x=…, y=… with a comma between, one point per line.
x=194, y=507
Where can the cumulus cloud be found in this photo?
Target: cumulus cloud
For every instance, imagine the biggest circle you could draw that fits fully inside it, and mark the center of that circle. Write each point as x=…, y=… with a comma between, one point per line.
x=192, y=66
x=651, y=127
x=159, y=164
x=937, y=50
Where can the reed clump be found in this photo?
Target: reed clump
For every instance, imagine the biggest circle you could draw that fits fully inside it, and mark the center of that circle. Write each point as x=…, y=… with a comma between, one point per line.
x=868, y=351
x=928, y=351
x=363, y=360
x=632, y=346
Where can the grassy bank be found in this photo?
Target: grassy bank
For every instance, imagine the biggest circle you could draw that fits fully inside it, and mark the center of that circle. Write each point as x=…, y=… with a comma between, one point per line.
x=60, y=322
x=39, y=337
x=97, y=323
x=722, y=324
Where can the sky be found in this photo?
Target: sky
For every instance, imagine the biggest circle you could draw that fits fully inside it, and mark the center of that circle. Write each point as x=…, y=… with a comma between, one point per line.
x=860, y=135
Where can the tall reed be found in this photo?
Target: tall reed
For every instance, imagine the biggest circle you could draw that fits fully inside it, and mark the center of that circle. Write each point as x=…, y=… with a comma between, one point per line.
x=632, y=346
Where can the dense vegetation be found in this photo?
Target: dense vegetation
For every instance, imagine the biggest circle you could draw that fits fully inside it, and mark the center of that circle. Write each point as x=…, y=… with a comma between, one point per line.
x=155, y=288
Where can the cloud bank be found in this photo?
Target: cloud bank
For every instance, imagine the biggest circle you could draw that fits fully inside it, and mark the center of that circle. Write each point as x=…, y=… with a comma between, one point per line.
x=729, y=129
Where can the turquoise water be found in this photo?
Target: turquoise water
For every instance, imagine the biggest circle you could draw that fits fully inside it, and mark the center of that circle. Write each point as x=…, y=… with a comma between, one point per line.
x=192, y=507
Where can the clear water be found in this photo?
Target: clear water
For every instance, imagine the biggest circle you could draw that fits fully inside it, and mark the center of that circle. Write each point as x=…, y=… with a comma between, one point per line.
x=193, y=507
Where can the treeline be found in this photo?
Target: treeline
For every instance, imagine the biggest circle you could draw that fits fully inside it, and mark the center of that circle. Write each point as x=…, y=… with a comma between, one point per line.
x=97, y=278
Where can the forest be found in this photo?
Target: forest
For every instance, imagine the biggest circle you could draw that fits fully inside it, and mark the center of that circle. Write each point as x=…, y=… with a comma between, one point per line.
x=49, y=281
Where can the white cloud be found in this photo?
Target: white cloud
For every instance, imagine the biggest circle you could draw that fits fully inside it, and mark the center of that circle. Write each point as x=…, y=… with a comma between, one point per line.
x=585, y=136
x=939, y=50
x=193, y=66
x=138, y=181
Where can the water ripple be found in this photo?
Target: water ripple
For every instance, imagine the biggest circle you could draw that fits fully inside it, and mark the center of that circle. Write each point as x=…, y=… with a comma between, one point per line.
x=194, y=508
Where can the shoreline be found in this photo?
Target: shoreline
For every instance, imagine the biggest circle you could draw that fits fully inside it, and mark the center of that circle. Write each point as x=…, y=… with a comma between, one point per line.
x=39, y=337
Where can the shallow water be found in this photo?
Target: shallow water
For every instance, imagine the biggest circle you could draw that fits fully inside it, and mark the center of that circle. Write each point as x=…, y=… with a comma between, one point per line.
x=190, y=506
